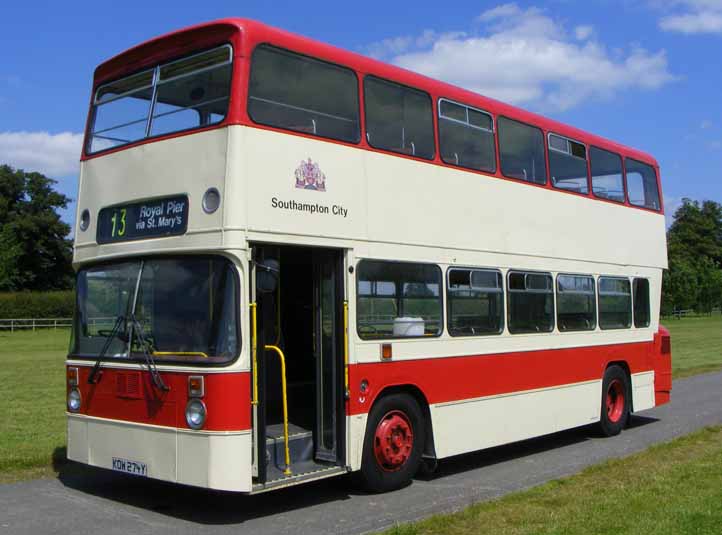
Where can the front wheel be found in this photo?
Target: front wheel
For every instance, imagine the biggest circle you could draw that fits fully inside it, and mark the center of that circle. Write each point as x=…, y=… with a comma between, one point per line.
x=393, y=443
x=615, y=401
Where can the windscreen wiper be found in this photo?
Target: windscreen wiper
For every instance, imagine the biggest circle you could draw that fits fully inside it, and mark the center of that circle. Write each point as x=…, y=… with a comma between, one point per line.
x=95, y=373
x=149, y=360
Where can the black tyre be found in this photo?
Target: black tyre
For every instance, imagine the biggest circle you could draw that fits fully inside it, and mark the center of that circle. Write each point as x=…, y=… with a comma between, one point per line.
x=393, y=443
x=615, y=401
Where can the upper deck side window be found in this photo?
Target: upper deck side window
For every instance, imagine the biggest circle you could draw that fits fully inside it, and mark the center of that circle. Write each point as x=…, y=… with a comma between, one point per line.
x=568, y=164
x=642, y=186
x=466, y=136
x=398, y=118
x=187, y=93
x=607, y=181
x=521, y=147
x=303, y=94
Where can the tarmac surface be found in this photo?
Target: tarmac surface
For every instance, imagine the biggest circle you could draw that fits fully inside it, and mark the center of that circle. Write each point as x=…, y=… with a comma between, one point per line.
x=100, y=501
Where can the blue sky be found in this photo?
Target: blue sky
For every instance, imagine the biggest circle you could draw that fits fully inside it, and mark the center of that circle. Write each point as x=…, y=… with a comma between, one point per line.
x=645, y=73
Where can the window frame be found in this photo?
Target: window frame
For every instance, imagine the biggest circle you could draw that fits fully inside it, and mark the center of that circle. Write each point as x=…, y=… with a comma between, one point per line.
x=656, y=181
x=468, y=107
x=442, y=319
x=502, y=326
x=593, y=293
x=591, y=175
x=509, y=292
x=237, y=275
x=366, y=122
x=311, y=58
x=634, y=303
x=599, y=302
x=586, y=161
x=544, y=152
x=155, y=70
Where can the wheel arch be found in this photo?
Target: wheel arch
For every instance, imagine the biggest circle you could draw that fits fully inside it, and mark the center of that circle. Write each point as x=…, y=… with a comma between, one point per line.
x=625, y=366
x=416, y=393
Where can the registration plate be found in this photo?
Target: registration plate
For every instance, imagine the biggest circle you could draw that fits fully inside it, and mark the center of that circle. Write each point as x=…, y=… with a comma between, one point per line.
x=130, y=467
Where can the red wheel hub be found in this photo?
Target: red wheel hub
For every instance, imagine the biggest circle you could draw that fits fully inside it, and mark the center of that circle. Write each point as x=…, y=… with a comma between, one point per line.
x=615, y=401
x=393, y=441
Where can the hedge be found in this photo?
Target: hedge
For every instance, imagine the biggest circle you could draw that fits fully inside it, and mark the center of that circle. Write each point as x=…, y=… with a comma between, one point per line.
x=37, y=304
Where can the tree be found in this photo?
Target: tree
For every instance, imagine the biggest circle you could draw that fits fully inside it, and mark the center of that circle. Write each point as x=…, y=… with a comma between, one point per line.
x=35, y=252
x=694, y=248
x=709, y=282
x=697, y=231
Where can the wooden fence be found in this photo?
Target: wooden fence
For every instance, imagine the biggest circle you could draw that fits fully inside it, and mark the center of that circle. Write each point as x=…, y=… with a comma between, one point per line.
x=18, y=324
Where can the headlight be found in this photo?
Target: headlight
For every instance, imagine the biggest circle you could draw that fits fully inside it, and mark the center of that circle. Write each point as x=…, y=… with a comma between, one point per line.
x=195, y=414
x=74, y=400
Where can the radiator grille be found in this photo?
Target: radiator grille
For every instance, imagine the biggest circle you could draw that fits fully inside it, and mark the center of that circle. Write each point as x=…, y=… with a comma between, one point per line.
x=127, y=385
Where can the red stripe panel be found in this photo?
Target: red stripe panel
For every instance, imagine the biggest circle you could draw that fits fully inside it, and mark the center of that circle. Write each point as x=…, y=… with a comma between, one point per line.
x=459, y=378
x=227, y=398
x=662, y=367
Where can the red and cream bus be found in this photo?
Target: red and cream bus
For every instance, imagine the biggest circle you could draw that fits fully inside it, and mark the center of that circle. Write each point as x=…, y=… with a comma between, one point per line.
x=295, y=262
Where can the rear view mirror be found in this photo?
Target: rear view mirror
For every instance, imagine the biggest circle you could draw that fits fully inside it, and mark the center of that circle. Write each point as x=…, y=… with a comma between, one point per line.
x=267, y=275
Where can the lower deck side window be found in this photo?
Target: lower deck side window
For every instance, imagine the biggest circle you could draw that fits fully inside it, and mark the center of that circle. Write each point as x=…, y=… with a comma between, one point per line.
x=476, y=302
x=641, y=303
x=398, y=300
x=576, y=303
x=531, y=302
x=615, y=303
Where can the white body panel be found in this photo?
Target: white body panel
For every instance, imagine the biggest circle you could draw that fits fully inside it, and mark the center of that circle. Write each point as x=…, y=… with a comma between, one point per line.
x=379, y=206
x=220, y=461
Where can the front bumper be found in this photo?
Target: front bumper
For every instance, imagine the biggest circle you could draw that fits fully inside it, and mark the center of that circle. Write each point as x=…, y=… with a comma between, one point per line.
x=215, y=460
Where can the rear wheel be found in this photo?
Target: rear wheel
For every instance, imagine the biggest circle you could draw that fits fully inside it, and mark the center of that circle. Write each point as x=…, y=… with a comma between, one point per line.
x=615, y=401
x=393, y=443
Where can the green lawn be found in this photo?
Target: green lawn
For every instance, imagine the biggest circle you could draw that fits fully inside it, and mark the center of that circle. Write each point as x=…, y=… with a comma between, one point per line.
x=32, y=429
x=670, y=488
x=32, y=433
x=696, y=344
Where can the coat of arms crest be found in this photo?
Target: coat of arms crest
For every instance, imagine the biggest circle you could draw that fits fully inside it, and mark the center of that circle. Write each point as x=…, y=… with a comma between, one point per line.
x=309, y=176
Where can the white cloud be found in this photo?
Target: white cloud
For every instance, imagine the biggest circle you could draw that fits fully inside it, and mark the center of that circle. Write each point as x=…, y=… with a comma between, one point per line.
x=582, y=33
x=692, y=16
x=51, y=154
x=524, y=56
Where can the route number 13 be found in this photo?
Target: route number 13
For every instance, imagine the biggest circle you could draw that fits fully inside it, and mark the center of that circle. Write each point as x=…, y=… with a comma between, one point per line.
x=118, y=221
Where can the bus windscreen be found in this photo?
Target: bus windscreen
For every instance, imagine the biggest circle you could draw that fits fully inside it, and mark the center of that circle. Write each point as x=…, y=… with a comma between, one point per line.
x=188, y=93
x=185, y=306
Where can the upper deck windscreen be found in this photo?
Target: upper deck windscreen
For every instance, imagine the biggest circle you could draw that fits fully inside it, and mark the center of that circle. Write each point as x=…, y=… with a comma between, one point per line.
x=188, y=93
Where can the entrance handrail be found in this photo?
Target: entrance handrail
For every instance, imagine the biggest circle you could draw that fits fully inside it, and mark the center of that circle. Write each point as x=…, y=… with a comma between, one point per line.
x=282, y=358
x=254, y=351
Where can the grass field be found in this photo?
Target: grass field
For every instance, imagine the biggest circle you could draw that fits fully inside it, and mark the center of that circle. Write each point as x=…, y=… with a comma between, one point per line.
x=670, y=488
x=696, y=344
x=32, y=434
x=32, y=430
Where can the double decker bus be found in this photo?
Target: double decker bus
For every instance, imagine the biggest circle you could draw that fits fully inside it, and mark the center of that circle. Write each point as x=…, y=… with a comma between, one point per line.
x=295, y=262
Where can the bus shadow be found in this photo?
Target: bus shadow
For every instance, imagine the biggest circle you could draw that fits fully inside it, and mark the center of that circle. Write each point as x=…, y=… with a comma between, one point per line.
x=519, y=450
x=217, y=508
x=197, y=504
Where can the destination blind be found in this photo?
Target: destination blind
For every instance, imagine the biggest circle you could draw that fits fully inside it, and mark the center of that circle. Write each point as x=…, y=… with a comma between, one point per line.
x=148, y=219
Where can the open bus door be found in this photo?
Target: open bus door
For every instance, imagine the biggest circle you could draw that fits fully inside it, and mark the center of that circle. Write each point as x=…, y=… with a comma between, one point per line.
x=297, y=301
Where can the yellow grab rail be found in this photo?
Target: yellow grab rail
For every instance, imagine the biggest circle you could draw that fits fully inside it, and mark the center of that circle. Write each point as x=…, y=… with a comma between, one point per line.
x=278, y=351
x=180, y=354
x=254, y=351
x=345, y=347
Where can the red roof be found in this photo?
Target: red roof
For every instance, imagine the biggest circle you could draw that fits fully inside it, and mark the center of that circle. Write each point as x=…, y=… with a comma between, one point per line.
x=244, y=34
